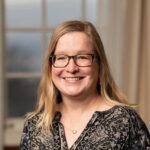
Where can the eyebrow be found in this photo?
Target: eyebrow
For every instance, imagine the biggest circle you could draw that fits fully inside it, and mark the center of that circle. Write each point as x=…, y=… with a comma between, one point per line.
x=79, y=52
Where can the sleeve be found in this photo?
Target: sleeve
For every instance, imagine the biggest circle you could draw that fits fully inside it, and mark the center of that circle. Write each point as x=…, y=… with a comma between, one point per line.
x=25, y=138
x=139, y=134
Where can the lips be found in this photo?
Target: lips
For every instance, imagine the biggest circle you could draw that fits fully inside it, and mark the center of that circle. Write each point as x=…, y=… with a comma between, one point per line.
x=72, y=78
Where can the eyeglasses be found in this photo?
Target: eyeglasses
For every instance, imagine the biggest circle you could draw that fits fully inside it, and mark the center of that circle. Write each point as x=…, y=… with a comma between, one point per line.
x=81, y=60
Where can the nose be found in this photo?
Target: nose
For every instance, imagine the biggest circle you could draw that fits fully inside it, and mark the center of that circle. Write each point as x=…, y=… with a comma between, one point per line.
x=72, y=67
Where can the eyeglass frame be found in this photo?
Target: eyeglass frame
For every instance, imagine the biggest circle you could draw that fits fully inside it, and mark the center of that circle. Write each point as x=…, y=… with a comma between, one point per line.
x=52, y=59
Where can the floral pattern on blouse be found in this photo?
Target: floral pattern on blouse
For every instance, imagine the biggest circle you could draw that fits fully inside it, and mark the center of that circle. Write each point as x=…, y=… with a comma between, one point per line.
x=119, y=128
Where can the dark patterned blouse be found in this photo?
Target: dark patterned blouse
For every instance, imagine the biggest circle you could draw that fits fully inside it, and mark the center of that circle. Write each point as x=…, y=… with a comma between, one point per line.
x=119, y=128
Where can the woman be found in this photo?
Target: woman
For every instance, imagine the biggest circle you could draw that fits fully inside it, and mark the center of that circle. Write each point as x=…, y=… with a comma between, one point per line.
x=79, y=104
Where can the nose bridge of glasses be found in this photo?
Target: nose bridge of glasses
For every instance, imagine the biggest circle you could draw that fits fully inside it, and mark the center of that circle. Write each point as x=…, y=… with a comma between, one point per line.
x=73, y=59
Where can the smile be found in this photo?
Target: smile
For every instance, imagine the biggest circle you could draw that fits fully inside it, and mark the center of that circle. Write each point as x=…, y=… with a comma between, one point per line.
x=72, y=78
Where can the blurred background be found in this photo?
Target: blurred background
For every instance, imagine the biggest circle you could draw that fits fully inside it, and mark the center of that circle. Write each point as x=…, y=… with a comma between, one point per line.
x=25, y=30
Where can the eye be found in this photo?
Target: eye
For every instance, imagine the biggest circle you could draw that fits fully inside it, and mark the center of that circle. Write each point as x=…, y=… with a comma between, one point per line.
x=61, y=57
x=84, y=57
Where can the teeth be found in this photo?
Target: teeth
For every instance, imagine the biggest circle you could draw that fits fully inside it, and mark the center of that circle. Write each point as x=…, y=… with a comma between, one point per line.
x=72, y=78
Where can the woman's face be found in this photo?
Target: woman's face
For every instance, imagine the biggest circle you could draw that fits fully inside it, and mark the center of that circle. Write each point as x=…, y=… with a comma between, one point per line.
x=72, y=80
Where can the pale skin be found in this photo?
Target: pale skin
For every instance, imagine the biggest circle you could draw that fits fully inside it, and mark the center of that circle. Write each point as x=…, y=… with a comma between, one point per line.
x=77, y=86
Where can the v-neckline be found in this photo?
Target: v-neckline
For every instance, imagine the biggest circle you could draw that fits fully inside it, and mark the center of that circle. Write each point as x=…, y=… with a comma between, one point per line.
x=61, y=131
x=80, y=137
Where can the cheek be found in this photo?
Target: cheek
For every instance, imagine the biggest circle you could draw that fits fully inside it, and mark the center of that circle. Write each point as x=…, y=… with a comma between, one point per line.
x=88, y=72
x=93, y=71
x=56, y=71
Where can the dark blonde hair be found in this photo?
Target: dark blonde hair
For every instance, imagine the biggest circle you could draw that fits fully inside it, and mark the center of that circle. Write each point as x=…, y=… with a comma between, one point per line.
x=48, y=93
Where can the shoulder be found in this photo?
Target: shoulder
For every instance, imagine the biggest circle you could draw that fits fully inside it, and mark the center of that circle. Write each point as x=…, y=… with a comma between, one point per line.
x=33, y=137
x=137, y=128
x=117, y=116
x=123, y=123
x=128, y=113
x=119, y=110
x=31, y=122
x=30, y=128
x=123, y=116
x=125, y=111
x=138, y=132
x=126, y=118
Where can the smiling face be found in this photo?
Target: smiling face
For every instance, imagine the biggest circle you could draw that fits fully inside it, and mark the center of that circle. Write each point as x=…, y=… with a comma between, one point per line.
x=72, y=80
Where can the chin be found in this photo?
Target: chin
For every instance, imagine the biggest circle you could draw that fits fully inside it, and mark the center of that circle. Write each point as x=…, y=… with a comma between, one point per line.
x=76, y=94
x=73, y=94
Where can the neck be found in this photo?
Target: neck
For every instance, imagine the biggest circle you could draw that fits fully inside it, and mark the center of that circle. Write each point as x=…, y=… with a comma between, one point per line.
x=78, y=104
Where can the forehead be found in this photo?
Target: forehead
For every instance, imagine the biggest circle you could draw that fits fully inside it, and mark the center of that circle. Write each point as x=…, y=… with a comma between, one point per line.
x=74, y=42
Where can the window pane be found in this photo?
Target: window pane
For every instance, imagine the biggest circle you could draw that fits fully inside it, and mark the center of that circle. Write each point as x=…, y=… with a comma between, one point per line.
x=22, y=96
x=91, y=10
x=23, y=52
x=48, y=38
x=23, y=13
x=61, y=10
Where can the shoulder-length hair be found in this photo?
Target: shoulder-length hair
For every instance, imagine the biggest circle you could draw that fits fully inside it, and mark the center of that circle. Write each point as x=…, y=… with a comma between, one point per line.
x=48, y=94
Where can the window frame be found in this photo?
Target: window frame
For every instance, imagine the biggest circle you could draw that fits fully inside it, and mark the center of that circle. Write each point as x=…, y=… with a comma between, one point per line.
x=13, y=123
x=1, y=73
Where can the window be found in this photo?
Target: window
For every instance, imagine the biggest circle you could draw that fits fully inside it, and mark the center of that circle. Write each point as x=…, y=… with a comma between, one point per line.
x=28, y=27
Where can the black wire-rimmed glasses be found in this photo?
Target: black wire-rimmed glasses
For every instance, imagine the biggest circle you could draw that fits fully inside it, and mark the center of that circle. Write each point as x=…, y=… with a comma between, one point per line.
x=81, y=60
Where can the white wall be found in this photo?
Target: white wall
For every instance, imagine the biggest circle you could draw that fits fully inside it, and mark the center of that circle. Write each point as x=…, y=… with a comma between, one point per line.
x=1, y=75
